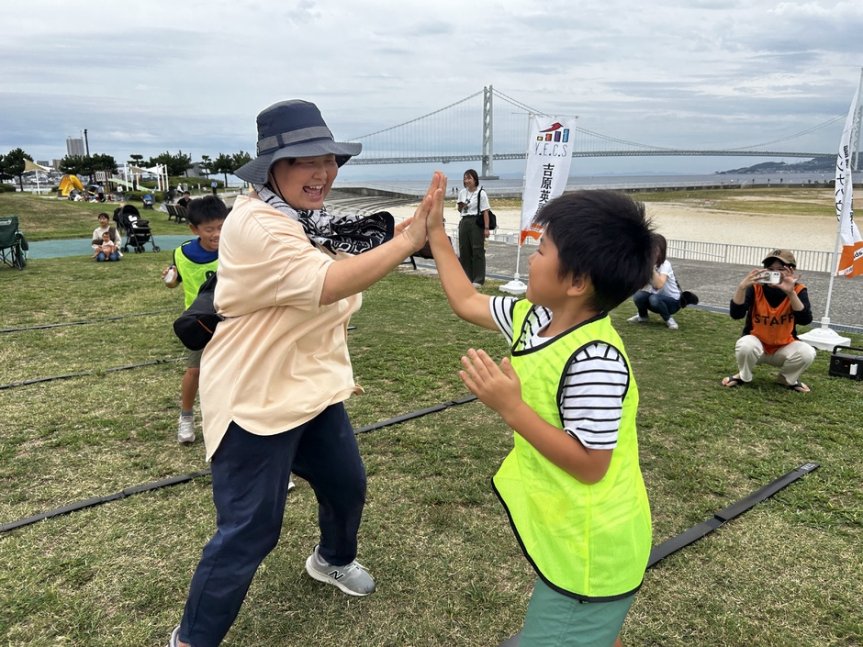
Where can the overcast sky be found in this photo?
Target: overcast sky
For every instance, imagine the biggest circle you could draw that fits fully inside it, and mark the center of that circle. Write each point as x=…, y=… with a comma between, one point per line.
x=145, y=77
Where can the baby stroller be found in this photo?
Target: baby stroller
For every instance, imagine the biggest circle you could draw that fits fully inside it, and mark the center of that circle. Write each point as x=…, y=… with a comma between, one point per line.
x=137, y=230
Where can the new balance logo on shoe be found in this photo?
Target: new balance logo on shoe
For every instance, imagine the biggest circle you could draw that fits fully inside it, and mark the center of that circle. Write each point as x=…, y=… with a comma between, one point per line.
x=351, y=578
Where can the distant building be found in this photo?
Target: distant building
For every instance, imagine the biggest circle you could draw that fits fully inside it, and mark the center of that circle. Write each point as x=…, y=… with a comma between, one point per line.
x=74, y=146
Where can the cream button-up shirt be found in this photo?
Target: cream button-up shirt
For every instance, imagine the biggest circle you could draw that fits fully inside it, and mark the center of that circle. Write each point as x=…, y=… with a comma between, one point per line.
x=279, y=358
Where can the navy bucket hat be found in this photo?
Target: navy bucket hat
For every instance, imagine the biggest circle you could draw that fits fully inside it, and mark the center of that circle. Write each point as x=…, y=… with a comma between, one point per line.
x=292, y=129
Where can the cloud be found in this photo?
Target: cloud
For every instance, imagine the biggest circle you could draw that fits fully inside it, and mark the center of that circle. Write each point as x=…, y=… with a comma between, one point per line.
x=156, y=76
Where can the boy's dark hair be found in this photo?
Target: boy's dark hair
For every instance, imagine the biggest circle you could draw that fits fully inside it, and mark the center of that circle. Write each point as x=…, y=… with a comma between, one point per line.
x=206, y=209
x=604, y=236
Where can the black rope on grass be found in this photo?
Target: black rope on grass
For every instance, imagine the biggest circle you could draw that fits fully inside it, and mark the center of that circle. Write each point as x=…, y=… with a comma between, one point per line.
x=98, y=500
x=67, y=376
x=85, y=322
x=720, y=518
x=184, y=478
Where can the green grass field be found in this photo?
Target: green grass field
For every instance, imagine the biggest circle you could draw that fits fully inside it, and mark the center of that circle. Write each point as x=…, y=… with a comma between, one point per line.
x=448, y=568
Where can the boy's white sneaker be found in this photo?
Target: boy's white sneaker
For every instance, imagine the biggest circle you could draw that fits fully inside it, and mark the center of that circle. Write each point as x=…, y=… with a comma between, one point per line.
x=186, y=430
x=671, y=323
x=637, y=319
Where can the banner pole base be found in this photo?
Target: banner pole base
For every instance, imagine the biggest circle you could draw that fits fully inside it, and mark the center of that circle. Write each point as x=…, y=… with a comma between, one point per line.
x=824, y=338
x=514, y=287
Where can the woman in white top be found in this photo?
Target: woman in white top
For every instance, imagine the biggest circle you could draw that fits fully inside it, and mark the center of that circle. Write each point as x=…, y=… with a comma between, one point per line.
x=662, y=294
x=472, y=200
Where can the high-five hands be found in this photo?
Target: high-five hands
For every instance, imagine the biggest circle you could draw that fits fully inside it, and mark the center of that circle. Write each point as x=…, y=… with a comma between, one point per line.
x=416, y=227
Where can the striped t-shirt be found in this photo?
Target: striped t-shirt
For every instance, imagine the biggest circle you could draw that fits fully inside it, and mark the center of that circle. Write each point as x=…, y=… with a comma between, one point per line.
x=591, y=399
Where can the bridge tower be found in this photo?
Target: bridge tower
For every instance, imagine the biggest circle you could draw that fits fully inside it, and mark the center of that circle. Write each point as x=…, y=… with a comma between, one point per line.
x=487, y=134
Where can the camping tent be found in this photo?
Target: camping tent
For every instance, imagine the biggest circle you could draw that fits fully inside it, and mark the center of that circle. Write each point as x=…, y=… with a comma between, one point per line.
x=68, y=183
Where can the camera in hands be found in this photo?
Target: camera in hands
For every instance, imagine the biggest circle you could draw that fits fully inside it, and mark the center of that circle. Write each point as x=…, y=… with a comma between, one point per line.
x=769, y=277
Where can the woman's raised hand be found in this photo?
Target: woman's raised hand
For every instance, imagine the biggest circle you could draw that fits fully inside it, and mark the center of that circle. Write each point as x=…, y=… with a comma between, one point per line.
x=430, y=209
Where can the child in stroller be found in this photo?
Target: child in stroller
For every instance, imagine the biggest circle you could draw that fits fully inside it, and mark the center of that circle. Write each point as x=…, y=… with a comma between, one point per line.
x=137, y=230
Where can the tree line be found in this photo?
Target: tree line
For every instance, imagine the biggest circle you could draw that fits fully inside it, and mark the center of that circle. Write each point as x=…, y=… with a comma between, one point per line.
x=177, y=164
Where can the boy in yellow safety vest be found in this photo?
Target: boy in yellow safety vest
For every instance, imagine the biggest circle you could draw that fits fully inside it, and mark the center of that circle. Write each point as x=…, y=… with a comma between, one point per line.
x=194, y=262
x=572, y=485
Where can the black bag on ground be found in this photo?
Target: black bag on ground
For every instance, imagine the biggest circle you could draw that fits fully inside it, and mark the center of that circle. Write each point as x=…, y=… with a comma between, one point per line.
x=195, y=327
x=688, y=299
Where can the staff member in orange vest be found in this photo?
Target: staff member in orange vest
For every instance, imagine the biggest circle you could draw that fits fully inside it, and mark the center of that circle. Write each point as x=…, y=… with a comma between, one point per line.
x=774, y=303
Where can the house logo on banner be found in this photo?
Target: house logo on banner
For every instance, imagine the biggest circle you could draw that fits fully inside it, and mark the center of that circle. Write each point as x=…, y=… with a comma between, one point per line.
x=549, y=156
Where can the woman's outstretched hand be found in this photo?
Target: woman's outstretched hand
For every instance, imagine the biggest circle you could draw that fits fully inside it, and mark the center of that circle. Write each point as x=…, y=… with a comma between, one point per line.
x=432, y=203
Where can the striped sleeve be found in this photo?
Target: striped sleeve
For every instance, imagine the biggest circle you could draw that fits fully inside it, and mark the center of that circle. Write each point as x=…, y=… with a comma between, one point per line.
x=501, y=311
x=591, y=400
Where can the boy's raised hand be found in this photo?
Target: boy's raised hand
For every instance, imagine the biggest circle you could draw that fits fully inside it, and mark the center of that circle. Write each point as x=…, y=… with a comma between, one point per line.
x=416, y=227
x=497, y=387
x=435, y=219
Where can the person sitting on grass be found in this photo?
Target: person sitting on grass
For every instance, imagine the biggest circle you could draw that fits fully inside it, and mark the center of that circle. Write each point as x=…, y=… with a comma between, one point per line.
x=773, y=308
x=662, y=293
x=106, y=250
x=98, y=238
x=571, y=485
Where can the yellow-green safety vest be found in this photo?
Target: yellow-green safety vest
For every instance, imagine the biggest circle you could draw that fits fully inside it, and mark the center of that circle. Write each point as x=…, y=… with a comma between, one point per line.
x=591, y=542
x=193, y=274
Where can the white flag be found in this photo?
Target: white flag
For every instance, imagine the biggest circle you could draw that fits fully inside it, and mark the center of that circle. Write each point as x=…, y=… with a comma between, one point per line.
x=851, y=257
x=549, y=156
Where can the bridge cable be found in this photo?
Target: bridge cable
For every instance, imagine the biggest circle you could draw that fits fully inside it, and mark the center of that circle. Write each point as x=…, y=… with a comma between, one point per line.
x=519, y=104
x=378, y=132
x=792, y=136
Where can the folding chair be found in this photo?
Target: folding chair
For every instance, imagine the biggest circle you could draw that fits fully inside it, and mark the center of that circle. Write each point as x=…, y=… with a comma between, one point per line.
x=13, y=245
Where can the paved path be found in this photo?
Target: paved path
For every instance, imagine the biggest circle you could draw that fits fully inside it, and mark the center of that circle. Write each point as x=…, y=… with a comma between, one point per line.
x=81, y=246
x=714, y=283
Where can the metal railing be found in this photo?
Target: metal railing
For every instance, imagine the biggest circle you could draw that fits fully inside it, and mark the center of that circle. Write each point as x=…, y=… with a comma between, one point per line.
x=809, y=260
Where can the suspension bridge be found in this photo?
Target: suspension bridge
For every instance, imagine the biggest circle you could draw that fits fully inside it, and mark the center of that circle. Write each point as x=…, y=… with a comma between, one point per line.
x=450, y=134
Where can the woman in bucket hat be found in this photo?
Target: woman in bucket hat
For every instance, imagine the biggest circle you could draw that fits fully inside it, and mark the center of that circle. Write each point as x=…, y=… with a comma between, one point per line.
x=276, y=373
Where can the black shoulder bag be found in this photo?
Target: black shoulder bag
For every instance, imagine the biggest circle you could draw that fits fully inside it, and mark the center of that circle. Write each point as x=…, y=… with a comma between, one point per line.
x=195, y=327
x=480, y=222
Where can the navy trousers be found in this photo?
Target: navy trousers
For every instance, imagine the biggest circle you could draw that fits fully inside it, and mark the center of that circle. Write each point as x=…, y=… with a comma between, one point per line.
x=250, y=487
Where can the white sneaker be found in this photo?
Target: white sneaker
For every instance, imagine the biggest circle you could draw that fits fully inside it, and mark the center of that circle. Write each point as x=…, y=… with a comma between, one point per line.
x=174, y=640
x=352, y=578
x=291, y=484
x=671, y=323
x=637, y=319
x=186, y=430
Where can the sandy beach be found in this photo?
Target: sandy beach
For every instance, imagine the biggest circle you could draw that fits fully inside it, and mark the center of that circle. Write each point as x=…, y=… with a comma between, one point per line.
x=679, y=221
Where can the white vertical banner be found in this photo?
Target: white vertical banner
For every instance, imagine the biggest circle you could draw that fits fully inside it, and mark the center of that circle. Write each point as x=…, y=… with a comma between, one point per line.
x=851, y=257
x=549, y=156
